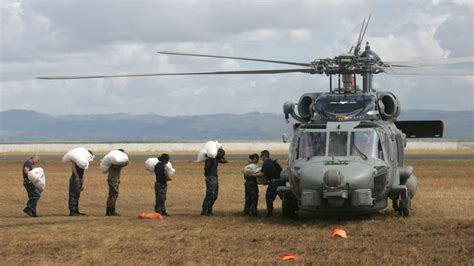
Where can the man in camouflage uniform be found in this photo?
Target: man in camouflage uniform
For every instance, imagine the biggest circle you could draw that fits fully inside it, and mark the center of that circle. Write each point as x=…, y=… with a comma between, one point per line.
x=161, y=184
x=76, y=186
x=251, y=188
x=212, y=182
x=113, y=179
x=33, y=193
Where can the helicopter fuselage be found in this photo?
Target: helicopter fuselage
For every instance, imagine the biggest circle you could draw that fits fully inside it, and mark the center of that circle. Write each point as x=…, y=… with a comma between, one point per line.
x=348, y=154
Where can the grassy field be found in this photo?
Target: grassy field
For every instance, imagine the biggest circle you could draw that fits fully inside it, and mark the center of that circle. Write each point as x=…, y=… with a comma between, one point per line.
x=441, y=230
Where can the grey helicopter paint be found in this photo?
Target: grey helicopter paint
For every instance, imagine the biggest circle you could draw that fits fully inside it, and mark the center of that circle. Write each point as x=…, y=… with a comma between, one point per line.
x=348, y=154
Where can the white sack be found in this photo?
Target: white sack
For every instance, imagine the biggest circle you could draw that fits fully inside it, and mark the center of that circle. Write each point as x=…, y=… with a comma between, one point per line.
x=150, y=164
x=201, y=156
x=209, y=149
x=252, y=169
x=169, y=169
x=80, y=156
x=36, y=176
x=114, y=157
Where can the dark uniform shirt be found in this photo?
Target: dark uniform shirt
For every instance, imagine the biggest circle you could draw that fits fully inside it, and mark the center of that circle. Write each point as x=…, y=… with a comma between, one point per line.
x=79, y=171
x=269, y=169
x=160, y=173
x=28, y=165
x=210, y=167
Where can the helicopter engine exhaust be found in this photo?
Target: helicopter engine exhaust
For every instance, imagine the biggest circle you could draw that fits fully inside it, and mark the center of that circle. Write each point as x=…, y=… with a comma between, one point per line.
x=289, y=109
x=305, y=105
x=389, y=105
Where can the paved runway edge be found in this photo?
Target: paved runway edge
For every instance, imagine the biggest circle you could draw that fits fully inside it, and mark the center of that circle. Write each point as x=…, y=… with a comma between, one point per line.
x=243, y=157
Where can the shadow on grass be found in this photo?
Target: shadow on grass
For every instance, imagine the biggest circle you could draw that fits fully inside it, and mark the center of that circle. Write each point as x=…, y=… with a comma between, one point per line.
x=307, y=218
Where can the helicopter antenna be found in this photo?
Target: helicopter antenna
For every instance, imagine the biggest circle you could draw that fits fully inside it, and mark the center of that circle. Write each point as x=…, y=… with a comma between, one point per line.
x=362, y=32
x=357, y=48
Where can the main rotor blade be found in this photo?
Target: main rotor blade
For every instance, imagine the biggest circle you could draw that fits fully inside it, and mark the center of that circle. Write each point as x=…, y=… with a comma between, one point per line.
x=271, y=71
x=433, y=62
x=427, y=71
x=237, y=58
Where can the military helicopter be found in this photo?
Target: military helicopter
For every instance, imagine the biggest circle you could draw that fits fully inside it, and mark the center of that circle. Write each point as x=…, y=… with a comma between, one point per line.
x=348, y=154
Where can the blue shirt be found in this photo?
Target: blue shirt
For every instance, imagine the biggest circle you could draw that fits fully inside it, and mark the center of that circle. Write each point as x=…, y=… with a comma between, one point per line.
x=160, y=173
x=28, y=165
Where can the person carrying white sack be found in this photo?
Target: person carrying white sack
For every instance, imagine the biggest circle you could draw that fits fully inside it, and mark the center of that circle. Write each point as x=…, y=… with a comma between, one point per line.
x=113, y=180
x=212, y=181
x=33, y=193
x=76, y=181
x=251, y=186
x=161, y=184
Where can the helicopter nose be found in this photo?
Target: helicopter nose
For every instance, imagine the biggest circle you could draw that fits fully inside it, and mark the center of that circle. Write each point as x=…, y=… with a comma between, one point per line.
x=354, y=175
x=337, y=184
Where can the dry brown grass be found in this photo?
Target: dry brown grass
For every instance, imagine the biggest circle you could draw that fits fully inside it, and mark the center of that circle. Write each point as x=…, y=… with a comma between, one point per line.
x=441, y=230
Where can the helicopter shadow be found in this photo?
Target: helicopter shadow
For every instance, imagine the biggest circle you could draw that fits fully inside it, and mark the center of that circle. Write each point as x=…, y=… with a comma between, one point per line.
x=324, y=220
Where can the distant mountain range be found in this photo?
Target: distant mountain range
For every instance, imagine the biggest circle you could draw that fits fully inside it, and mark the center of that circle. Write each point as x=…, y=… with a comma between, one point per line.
x=25, y=125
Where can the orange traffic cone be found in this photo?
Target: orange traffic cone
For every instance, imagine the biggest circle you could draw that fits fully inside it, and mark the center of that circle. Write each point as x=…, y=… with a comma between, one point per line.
x=288, y=256
x=337, y=232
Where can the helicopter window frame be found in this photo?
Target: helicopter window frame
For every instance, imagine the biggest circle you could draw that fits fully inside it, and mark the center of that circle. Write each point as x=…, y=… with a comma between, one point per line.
x=298, y=146
x=377, y=152
x=387, y=146
x=294, y=146
x=337, y=143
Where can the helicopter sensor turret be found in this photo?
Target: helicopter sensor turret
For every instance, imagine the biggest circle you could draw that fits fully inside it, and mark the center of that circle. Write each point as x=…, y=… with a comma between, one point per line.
x=369, y=53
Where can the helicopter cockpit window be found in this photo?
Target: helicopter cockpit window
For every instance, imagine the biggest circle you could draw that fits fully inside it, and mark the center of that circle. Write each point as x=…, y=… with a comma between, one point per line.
x=312, y=144
x=337, y=144
x=366, y=144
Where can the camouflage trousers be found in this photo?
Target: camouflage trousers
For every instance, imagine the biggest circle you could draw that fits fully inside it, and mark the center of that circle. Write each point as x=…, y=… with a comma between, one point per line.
x=251, y=196
x=160, y=197
x=212, y=191
x=33, y=195
x=114, y=183
x=74, y=193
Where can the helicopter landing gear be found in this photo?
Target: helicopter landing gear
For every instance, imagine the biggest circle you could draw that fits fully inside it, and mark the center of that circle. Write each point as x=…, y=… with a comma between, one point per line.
x=405, y=207
x=395, y=204
x=401, y=200
x=289, y=206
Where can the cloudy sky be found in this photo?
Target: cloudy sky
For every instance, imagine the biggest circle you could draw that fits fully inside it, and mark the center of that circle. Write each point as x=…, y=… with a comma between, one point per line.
x=87, y=37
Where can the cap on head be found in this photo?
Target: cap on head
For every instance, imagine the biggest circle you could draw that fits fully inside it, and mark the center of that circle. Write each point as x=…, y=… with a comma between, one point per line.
x=122, y=150
x=221, y=152
x=253, y=158
x=164, y=158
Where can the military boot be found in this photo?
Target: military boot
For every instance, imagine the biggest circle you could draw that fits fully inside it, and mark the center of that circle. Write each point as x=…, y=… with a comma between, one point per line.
x=111, y=212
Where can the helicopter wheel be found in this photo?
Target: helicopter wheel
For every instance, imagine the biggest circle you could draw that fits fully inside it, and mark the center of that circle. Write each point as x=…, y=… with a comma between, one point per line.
x=288, y=206
x=405, y=207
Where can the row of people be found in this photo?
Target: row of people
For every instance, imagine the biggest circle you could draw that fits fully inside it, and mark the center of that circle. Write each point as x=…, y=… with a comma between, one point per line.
x=270, y=169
